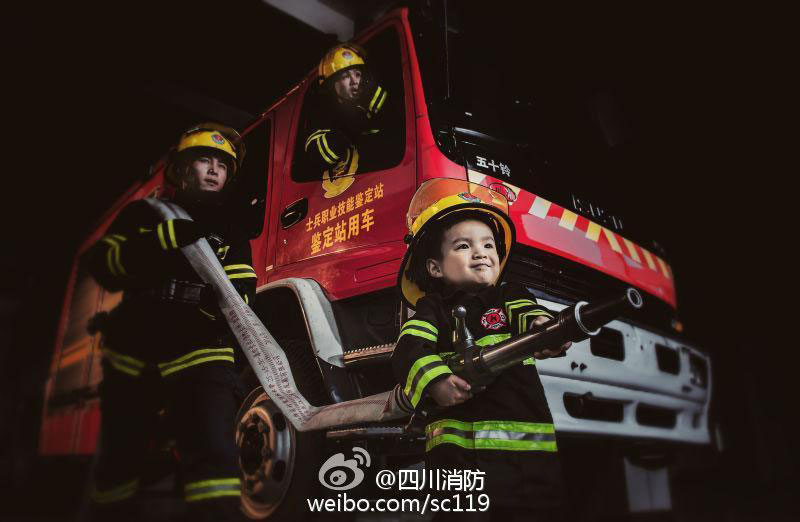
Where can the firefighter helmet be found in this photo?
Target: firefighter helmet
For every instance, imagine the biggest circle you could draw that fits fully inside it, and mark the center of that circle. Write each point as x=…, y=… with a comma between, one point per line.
x=211, y=136
x=341, y=58
x=439, y=199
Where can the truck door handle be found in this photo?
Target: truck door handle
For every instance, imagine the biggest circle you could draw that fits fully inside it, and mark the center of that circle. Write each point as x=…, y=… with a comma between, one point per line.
x=294, y=213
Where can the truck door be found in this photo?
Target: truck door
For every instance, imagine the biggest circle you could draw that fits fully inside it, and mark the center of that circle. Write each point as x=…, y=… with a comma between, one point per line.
x=351, y=214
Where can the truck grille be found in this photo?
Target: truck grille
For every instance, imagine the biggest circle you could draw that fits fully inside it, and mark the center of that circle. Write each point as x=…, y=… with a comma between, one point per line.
x=668, y=359
x=609, y=344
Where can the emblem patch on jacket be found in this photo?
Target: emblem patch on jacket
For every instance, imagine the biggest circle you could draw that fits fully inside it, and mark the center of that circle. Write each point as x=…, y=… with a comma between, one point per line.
x=494, y=319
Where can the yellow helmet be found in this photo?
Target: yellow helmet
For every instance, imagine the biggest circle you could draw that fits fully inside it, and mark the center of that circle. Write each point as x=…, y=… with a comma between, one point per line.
x=340, y=58
x=440, y=198
x=207, y=136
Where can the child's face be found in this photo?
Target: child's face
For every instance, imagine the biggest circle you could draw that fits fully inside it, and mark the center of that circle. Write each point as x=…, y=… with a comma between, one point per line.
x=469, y=257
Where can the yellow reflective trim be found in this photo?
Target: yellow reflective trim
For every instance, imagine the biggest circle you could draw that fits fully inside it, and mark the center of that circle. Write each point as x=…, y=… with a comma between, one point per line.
x=124, y=369
x=246, y=300
x=236, y=267
x=112, y=255
x=196, y=352
x=494, y=444
x=419, y=363
x=113, y=259
x=426, y=378
x=531, y=313
x=418, y=333
x=374, y=97
x=242, y=276
x=170, y=371
x=423, y=324
x=513, y=305
x=207, y=314
x=314, y=135
x=118, y=261
x=470, y=440
x=110, y=262
x=322, y=153
x=380, y=103
x=171, y=230
x=128, y=359
x=124, y=363
x=160, y=232
x=328, y=149
x=493, y=339
x=212, y=482
x=171, y=367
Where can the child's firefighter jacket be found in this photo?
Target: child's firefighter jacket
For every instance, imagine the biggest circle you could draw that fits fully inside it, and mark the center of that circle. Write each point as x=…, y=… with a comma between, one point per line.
x=505, y=431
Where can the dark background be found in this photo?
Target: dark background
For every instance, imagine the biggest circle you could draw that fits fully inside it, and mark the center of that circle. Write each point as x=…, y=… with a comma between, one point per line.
x=96, y=93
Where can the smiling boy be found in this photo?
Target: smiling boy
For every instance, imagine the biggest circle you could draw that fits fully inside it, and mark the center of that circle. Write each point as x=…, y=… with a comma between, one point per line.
x=461, y=238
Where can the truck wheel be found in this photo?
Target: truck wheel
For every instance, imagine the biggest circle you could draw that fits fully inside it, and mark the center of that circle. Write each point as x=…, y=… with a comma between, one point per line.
x=279, y=464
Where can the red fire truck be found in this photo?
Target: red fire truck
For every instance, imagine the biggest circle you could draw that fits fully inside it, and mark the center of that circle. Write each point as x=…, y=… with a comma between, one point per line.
x=327, y=254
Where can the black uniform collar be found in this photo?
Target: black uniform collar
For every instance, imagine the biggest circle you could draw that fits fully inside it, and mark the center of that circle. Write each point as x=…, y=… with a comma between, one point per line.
x=486, y=296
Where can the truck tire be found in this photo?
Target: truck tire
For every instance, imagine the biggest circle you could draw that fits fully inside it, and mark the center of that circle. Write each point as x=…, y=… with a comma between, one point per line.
x=279, y=464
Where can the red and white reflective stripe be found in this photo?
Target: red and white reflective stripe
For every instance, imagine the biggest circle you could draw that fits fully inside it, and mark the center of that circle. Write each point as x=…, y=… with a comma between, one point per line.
x=658, y=282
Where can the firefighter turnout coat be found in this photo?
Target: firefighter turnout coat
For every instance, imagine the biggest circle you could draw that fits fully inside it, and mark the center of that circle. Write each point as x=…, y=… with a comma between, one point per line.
x=166, y=345
x=345, y=138
x=506, y=430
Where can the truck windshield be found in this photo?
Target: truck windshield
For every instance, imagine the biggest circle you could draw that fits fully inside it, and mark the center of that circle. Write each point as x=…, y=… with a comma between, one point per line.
x=539, y=118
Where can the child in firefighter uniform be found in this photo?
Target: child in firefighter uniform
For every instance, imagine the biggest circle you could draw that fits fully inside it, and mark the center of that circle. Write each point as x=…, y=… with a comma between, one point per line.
x=166, y=344
x=460, y=239
x=345, y=132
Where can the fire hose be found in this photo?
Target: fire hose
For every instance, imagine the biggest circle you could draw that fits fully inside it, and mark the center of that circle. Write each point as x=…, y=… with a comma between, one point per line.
x=271, y=367
x=266, y=357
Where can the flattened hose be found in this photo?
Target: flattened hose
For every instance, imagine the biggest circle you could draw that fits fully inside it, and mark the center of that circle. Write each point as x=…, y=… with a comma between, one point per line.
x=267, y=358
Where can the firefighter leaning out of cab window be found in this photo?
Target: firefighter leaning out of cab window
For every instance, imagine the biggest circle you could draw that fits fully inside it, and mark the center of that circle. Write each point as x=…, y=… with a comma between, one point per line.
x=345, y=133
x=167, y=345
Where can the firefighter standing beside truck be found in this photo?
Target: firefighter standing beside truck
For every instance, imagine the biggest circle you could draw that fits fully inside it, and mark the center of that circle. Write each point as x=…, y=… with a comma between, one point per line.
x=345, y=133
x=167, y=344
x=460, y=241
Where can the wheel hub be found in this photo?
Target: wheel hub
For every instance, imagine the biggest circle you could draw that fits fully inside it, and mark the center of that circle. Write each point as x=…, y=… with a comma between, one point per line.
x=266, y=454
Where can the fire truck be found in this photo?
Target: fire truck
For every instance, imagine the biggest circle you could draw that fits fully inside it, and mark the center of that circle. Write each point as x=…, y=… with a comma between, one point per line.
x=327, y=252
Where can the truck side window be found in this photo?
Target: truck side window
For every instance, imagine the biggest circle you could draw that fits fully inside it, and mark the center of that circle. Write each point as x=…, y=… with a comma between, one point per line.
x=381, y=143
